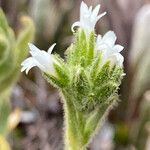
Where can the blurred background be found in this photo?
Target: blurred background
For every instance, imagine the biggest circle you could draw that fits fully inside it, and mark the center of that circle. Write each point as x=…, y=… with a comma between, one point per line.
x=36, y=106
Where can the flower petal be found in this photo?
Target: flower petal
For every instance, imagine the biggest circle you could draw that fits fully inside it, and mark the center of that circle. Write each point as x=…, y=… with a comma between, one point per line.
x=110, y=38
x=90, y=9
x=33, y=49
x=118, y=48
x=100, y=16
x=88, y=18
x=117, y=58
x=95, y=11
x=83, y=7
x=40, y=58
x=27, y=64
x=51, y=48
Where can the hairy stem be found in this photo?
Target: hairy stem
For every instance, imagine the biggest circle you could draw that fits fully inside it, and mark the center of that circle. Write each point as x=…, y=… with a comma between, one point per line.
x=73, y=127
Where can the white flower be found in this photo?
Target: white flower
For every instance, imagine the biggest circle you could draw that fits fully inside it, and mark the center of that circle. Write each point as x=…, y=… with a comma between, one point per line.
x=110, y=51
x=88, y=17
x=39, y=58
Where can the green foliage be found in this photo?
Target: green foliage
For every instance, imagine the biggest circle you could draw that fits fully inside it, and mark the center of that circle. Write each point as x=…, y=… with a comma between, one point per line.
x=88, y=88
x=12, y=52
x=4, y=112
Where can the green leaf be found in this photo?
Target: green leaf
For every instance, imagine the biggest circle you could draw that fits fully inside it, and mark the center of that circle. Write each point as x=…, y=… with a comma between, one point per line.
x=116, y=74
x=62, y=74
x=25, y=36
x=53, y=80
x=105, y=91
x=90, y=50
x=11, y=57
x=76, y=53
x=95, y=67
x=3, y=22
x=4, y=112
x=103, y=75
x=7, y=57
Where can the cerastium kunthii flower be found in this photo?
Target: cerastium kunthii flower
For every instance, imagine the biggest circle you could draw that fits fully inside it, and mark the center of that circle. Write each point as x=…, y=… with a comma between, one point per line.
x=88, y=79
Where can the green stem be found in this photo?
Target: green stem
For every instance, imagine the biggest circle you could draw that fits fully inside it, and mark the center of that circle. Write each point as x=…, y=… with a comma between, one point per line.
x=80, y=126
x=4, y=112
x=73, y=135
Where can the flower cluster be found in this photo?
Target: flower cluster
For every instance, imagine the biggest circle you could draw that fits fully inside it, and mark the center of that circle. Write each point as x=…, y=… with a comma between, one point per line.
x=110, y=51
x=88, y=20
x=40, y=58
x=88, y=79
